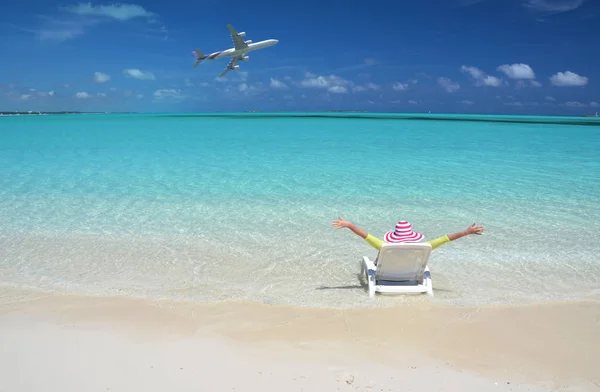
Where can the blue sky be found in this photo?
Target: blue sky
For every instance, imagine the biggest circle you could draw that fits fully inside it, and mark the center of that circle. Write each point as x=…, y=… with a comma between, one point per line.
x=471, y=56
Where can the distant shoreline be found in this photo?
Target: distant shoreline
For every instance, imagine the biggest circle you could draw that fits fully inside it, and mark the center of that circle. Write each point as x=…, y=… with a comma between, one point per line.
x=40, y=113
x=276, y=112
x=590, y=120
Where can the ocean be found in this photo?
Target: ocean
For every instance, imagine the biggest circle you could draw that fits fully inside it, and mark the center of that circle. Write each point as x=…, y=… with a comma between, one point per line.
x=220, y=207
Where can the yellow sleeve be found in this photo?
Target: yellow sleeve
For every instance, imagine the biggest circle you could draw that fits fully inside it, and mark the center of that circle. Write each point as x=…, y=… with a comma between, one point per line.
x=374, y=242
x=438, y=242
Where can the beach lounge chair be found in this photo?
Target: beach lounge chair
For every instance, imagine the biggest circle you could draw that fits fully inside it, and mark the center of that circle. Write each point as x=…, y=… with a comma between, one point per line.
x=401, y=268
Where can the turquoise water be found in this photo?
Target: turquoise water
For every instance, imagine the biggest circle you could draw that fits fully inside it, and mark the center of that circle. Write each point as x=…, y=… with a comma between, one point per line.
x=220, y=207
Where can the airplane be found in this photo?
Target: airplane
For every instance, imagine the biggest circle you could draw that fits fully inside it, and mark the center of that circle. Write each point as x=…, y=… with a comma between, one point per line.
x=238, y=52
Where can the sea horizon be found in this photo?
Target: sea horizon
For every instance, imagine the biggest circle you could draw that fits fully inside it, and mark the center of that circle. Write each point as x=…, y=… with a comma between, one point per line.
x=591, y=120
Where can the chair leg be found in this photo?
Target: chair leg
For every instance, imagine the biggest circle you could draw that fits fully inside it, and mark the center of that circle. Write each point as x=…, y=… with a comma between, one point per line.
x=369, y=275
x=371, y=280
x=362, y=268
x=428, y=282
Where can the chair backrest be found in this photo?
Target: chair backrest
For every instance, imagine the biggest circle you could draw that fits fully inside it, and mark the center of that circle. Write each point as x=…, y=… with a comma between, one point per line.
x=402, y=262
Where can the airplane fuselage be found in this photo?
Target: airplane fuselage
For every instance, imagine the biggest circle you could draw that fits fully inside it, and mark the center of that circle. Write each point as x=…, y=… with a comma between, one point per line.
x=232, y=52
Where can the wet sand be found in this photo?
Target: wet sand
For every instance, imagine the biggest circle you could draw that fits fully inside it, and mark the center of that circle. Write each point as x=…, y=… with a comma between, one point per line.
x=57, y=342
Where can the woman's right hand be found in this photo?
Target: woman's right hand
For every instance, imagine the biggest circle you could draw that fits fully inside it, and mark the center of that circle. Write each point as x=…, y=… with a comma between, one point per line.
x=340, y=223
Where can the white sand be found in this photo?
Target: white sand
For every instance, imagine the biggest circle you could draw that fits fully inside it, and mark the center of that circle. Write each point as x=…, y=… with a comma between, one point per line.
x=60, y=343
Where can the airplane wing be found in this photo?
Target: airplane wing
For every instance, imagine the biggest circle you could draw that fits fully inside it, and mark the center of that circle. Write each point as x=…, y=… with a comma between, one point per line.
x=238, y=42
x=230, y=65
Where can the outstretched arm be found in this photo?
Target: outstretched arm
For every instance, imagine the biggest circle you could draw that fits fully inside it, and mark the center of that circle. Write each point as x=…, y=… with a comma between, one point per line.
x=340, y=224
x=477, y=230
x=436, y=243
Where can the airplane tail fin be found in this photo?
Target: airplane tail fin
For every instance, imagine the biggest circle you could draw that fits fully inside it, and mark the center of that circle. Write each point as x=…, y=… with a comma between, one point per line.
x=199, y=56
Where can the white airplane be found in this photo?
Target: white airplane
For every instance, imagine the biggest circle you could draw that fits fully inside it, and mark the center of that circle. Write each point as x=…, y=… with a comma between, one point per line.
x=238, y=52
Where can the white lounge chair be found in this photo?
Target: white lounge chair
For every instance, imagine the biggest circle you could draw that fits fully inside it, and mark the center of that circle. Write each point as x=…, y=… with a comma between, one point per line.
x=401, y=268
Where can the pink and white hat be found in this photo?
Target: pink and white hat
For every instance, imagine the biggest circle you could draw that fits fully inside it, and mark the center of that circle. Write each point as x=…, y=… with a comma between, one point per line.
x=403, y=233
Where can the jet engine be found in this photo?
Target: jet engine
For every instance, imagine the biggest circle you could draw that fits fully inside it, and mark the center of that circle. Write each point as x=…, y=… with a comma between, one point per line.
x=245, y=58
x=249, y=41
x=236, y=67
x=242, y=34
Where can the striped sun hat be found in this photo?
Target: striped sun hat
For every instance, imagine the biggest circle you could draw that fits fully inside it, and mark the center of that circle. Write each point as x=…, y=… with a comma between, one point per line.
x=403, y=232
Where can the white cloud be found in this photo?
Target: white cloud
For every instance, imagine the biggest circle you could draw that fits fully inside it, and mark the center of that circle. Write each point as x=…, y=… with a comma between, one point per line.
x=475, y=72
x=115, y=11
x=313, y=81
x=594, y=104
x=278, y=84
x=517, y=71
x=400, y=86
x=337, y=89
x=113, y=89
x=51, y=93
x=333, y=84
x=25, y=96
x=411, y=102
x=164, y=93
x=567, y=79
x=188, y=82
x=139, y=96
x=527, y=83
x=59, y=35
x=575, y=104
x=467, y=102
x=448, y=84
x=82, y=95
x=550, y=99
x=100, y=77
x=77, y=19
x=246, y=89
x=101, y=94
x=553, y=5
x=480, y=77
x=136, y=73
x=368, y=86
x=491, y=81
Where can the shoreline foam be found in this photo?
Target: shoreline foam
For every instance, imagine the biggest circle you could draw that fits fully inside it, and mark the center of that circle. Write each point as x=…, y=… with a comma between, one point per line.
x=200, y=269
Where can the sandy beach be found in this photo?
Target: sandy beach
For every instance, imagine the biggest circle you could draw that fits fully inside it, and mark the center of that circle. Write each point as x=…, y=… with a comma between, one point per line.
x=57, y=342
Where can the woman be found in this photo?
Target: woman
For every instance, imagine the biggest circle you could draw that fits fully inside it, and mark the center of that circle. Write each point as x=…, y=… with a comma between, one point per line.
x=403, y=233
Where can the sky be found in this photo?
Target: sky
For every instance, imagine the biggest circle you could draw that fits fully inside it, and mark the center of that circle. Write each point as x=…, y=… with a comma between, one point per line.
x=443, y=56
